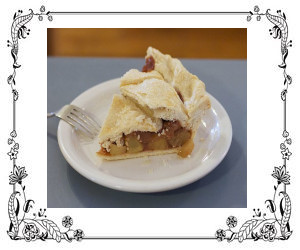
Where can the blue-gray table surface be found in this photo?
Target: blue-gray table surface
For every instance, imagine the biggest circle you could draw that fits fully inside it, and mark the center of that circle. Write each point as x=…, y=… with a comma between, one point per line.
x=224, y=187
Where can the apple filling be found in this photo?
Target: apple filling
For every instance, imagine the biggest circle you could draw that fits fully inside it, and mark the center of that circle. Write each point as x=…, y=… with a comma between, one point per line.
x=149, y=64
x=172, y=135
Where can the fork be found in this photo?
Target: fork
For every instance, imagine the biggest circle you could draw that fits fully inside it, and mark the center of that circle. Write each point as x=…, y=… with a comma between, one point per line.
x=79, y=119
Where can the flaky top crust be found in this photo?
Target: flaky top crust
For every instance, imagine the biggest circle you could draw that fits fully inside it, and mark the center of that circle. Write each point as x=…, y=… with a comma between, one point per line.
x=188, y=85
x=135, y=76
x=155, y=94
x=125, y=117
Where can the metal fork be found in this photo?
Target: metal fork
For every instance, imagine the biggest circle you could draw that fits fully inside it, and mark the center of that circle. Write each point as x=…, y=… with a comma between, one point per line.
x=79, y=119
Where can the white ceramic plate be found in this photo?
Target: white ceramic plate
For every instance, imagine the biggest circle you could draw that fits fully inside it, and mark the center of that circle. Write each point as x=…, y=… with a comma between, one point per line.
x=149, y=174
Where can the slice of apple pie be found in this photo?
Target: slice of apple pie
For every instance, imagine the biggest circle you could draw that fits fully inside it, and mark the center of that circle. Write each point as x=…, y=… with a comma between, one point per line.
x=158, y=112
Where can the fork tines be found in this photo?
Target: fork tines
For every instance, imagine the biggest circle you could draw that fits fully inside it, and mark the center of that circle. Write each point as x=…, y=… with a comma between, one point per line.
x=81, y=120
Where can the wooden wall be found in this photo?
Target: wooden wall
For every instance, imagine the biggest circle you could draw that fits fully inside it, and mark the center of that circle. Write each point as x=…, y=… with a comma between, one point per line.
x=228, y=43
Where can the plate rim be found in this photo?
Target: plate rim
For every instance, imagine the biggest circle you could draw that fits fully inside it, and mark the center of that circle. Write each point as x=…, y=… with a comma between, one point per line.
x=138, y=186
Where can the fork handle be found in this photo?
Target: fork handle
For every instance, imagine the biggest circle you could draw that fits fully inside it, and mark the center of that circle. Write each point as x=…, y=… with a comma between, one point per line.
x=50, y=114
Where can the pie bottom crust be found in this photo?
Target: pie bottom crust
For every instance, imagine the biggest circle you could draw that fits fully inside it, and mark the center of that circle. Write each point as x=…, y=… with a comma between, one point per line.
x=140, y=154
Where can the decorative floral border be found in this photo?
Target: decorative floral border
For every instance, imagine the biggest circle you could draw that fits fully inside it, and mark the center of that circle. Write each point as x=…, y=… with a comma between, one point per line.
x=24, y=225
x=277, y=224
x=31, y=227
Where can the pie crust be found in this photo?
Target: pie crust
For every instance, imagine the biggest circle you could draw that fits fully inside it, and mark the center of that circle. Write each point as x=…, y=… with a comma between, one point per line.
x=190, y=88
